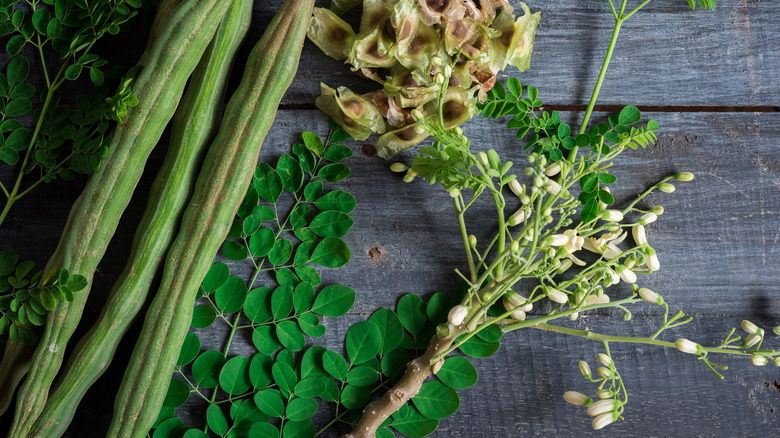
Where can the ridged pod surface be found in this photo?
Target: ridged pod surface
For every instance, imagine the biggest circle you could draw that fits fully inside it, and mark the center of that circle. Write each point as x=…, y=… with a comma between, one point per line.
x=194, y=125
x=167, y=63
x=220, y=188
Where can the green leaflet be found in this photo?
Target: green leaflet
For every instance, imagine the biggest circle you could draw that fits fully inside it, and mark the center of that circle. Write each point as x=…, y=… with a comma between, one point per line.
x=288, y=227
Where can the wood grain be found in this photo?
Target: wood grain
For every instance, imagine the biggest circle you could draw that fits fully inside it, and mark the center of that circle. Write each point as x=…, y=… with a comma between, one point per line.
x=716, y=242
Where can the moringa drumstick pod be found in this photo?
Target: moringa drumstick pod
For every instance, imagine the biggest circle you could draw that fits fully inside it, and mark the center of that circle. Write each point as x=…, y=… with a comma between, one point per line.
x=194, y=125
x=166, y=65
x=219, y=190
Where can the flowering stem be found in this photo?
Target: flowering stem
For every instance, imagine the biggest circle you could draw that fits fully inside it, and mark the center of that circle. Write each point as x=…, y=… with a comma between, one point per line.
x=643, y=340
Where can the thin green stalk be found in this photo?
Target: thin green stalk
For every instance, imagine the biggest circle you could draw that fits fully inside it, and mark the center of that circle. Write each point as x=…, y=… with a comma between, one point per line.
x=641, y=340
x=465, y=236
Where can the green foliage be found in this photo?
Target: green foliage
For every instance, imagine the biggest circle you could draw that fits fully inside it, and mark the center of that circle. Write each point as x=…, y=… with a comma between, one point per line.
x=26, y=299
x=58, y=142
x=289, y=223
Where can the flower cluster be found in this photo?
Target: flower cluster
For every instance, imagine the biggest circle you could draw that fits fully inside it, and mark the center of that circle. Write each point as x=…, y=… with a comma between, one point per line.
x=420, y=51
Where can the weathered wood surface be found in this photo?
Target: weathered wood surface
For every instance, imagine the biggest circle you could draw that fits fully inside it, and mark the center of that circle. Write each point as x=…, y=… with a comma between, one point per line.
x=717, y=240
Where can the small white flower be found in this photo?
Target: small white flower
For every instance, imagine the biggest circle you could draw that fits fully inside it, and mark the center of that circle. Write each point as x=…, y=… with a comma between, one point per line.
x=584, y=369
x=603, y=420
x=556, y=295
x=612, y=215
x=651, y=259
x=483, y=159
x=758, y=361
x=647, y=218
x=640, y=237
x=398, y=167
x=687, y=346
x=577, y=398
x=750, y=327
x=552, y=187
x=626, y=274
x=684, y=176
x=557, y=239
x=516, y=300
x=517, y=217
x=457, y=314
x=650, y=296
x=516, y=188
x=593, y=300
x=553, y=169
x=603, y=406
x=751, y=340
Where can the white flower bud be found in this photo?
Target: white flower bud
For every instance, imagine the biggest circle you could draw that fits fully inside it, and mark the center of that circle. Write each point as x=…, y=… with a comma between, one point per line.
x=454, y=193
x=577, y=398
x=410, y=174
x=626, y=274
x=447, y=70
x=418, y=128
x=758, y=361
x=457, y=314
x=750, y=327
x=553, y=169
x=514, y=246
x=604, y=359
x=603, y=420
x=556, y=295
x=398, y=167
x=776, y=330
x=614, y=277
x=650, y=296
x=647, y=218
x=604, y=393
x=439, y=78
x=417, y=115
x=483, y=159
x=584, y=369
x=612, y=215
x=751, y=340
x=652, y=260
x=516, y=300
x=565, y=265
x=638, y=231
x=666, y=187
x=593, y=300
x=552, y=187
x=776, y=361
x=516, y=188
x=687, y=346
x=603, y=406
x=657, y=209
x=604, y=372
x=574, y=316
x=517, y=217
x=557, y=240
x=684, y=176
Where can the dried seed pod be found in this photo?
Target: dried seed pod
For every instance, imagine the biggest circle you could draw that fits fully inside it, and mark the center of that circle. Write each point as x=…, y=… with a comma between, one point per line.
x=331, y=34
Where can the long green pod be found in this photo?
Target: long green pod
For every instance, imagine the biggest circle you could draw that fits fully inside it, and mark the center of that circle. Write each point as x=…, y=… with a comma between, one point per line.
x=221, y=186
x=193, y=127
x=17, y=355
x=167, y=63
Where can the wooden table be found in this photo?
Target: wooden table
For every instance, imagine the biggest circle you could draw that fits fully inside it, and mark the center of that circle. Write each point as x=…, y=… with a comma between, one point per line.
x=710, y=78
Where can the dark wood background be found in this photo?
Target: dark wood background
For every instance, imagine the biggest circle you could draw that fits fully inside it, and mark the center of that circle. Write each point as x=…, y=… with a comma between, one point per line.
x=710, y=78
